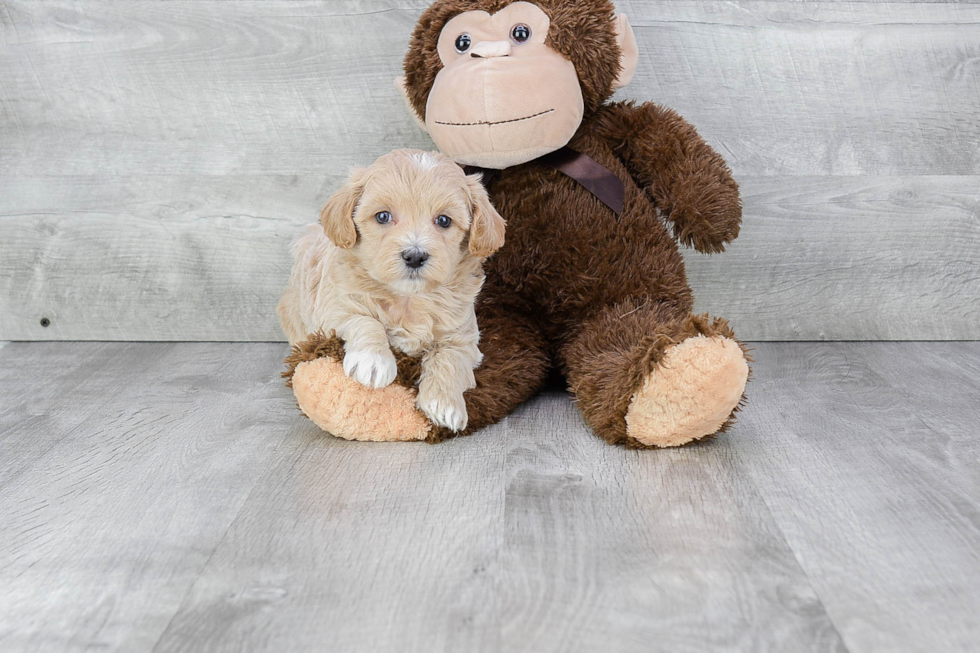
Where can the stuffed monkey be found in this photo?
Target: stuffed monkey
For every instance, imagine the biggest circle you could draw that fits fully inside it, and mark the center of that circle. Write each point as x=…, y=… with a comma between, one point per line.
x=596, y=196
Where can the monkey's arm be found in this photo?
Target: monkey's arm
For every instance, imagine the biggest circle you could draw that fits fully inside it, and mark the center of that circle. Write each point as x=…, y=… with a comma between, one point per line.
x=689, y=182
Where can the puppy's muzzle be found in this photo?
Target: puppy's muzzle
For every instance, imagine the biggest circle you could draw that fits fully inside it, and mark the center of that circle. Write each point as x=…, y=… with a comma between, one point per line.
x=415, y=258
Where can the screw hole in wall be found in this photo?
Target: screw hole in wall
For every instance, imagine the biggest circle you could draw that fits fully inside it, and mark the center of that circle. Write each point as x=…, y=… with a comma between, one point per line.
x=45, y=322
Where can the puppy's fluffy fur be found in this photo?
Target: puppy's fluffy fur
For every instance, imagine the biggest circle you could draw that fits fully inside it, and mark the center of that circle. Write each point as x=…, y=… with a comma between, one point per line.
x=402, y=280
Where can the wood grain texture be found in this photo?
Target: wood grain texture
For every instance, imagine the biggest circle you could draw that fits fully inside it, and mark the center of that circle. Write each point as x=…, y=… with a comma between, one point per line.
x=298, y=87
x=189, y=258
x=150, y=258
x=177, y=501
x=128, y=469
x=533, y=536
x=850, y=258
x=158, y=157
x=608, y=549
x=866, y=457
x=91, y=374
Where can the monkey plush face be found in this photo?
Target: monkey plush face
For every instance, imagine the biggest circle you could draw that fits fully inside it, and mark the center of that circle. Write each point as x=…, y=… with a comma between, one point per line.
x=502, y=95
x=499, y=83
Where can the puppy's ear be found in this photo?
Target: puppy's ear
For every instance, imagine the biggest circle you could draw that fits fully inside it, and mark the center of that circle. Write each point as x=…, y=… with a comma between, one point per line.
x=486, y=227
x=337, y=217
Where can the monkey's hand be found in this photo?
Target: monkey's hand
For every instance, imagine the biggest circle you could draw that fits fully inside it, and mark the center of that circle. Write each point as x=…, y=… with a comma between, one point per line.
x=687, y=180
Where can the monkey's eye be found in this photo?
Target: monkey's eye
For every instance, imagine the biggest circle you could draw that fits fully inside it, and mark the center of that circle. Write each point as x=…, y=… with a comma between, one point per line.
x=382, y=217
x=444, y=221
x=520, y=33
x=463, y=42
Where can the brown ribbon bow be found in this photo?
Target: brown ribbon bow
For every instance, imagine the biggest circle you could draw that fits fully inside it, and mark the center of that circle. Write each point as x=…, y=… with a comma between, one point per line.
x=591, y=174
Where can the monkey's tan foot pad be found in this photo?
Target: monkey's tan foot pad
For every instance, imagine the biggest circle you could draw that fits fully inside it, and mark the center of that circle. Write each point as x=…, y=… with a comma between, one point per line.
x=692, y=393
x=342, y=406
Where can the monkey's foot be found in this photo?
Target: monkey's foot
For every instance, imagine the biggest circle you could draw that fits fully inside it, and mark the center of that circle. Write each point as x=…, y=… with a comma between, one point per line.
x=342, y=406
x=692, y=393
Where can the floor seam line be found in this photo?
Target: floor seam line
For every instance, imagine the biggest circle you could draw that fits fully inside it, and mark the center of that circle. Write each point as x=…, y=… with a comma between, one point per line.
x=217, y=546
x=782, y=534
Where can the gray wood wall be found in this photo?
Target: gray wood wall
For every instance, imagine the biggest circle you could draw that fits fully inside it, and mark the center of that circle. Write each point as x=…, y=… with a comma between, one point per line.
x=156, y=158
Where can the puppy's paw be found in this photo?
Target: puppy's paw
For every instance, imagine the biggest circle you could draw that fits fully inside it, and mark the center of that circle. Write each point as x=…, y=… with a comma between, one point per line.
x=447, y=410
x=373, y=369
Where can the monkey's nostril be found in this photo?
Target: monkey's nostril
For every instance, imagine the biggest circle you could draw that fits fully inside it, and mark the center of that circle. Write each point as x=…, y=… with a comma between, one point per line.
x=415, y=258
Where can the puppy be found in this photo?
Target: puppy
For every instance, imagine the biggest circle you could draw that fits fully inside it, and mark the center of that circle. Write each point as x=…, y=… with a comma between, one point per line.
x=398, y=263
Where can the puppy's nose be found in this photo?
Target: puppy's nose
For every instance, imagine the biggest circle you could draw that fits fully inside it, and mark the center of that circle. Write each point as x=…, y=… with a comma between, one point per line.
x=415, y=258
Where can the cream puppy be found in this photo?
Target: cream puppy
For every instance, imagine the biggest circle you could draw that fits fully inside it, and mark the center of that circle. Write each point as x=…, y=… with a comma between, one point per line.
x=398, y=264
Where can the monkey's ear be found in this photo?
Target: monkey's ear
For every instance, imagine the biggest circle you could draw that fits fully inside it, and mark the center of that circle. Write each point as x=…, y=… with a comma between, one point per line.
x=337, y=217
x=403, y=89
x=630, y=56
x=486, y=226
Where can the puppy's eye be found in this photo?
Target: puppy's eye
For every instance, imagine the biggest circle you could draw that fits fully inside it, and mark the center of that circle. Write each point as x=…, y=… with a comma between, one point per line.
x=444, y=221
x=520, y=33
x=463, y=42
x=382, y=217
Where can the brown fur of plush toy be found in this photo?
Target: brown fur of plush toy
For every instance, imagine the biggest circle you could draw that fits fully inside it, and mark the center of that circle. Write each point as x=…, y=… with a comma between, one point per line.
x=608, y=294
x=602, y=297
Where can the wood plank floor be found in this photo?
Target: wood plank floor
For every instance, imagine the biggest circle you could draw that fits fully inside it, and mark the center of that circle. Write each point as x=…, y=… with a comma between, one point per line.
x=169, y=497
